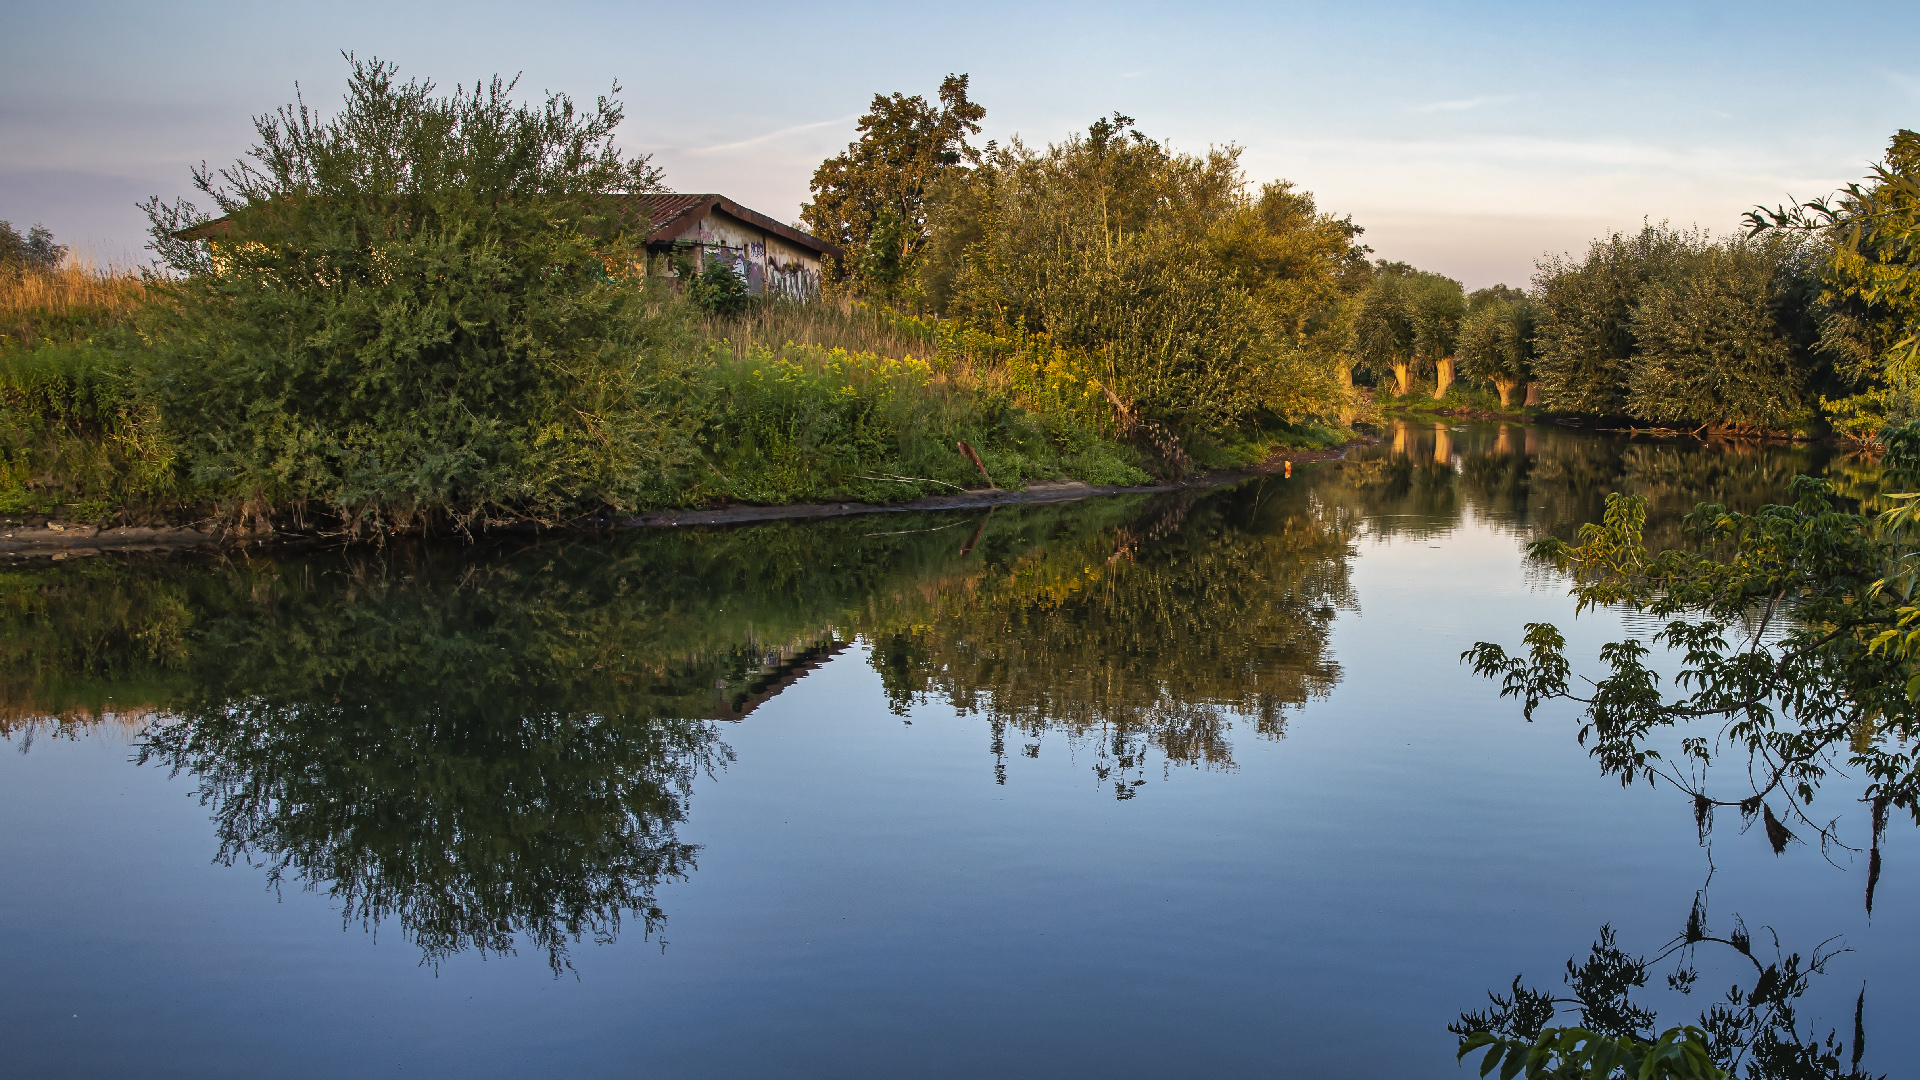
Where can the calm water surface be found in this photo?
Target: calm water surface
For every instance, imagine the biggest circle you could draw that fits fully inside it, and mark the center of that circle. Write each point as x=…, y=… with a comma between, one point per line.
x=1170, y=786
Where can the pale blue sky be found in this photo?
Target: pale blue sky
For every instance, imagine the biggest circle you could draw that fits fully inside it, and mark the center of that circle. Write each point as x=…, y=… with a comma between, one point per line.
x=1466, y=138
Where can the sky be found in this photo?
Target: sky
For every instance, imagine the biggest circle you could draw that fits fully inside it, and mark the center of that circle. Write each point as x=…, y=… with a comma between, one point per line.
x=1471, y=139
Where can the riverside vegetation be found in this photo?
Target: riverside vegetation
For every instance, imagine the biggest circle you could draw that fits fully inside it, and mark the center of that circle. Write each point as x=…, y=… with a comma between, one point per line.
x=426, y=313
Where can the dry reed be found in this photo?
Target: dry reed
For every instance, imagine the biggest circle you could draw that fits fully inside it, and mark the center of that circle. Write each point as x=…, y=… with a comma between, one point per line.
x=36, y=304
x=855, y=328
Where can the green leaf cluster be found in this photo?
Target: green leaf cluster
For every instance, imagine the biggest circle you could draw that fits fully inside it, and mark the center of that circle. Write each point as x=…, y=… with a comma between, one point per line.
x=1578, y=1054
x=1870, y=324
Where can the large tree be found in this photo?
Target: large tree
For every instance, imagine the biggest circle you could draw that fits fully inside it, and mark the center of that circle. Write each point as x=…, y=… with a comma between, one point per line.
x=1585, y=344
x=1724, y=337
x=1679, y=327
x=871, y=199
x=1191, y=300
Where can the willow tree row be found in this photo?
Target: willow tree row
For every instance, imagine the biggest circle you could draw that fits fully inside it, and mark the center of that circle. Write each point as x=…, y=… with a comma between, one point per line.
x=1194, y=301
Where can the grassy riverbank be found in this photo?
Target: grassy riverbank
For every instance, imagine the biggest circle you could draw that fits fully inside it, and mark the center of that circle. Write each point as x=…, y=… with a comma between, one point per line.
x=786, y=403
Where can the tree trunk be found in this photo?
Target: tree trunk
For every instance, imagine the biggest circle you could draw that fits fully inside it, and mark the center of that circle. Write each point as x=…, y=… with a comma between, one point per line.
x=1403, y=379
x=1533, y=393
x=1443, y=372
x=1505, y=386
x=1442, y=445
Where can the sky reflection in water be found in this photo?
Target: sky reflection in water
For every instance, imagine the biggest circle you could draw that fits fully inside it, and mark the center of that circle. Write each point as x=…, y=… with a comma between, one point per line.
x=1135, y=786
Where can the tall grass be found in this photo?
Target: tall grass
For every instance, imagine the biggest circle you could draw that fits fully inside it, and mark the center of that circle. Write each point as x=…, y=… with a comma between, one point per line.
x=72, y=302
x=806, y=422
x=76, y=441
x=853, y=327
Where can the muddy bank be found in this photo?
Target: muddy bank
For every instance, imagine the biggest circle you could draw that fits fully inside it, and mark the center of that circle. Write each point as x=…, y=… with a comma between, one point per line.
x=65, y=540
x=61, y=540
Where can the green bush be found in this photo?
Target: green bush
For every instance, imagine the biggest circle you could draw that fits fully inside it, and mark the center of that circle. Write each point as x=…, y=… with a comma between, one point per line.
x=423, y=310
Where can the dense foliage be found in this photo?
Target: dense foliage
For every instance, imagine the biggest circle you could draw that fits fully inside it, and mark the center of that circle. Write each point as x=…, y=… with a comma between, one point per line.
x=75, y=432
x=871, y=200
x=1870, y=303
x=1193, y=304
x=1406, y=323
x=421, y=308
x=1679, y=328
x=1496, y=340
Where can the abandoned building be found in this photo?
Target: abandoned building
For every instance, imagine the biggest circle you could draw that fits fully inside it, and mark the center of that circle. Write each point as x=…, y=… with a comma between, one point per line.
x=773, y=259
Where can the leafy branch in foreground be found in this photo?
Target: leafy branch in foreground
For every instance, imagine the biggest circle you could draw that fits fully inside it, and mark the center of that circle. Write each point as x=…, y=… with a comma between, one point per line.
x=1575, y=1053
x=1795, y=630
x=1757, y=1028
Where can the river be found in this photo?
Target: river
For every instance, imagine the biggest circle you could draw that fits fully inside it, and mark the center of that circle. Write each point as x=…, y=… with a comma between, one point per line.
x=1179, y=785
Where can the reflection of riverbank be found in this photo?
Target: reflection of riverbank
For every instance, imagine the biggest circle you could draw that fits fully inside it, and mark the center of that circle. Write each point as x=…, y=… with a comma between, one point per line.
x=499, y=745
x=503, y=740
x=1539, y=480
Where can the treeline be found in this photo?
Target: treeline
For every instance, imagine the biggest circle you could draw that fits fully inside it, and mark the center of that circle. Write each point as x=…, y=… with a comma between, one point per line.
x=425, y=313
x=1194, y=309
x=1198, y=302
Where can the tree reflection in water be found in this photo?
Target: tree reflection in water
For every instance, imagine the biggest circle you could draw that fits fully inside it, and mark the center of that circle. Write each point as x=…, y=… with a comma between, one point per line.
x=497, y=746
x=1150, y=634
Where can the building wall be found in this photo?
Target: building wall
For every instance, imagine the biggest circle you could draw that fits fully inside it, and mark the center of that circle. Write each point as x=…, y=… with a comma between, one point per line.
x=770, y=264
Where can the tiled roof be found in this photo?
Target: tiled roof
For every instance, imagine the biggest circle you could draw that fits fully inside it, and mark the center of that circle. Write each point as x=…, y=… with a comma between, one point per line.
x=671, y=215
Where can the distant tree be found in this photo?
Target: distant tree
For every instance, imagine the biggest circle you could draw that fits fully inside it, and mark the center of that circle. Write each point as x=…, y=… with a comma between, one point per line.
x=871, y=199
x=1585, y=345
x=1496, y=339
x=1677, y=327
x=1383, y=330
x=1492, y=294
x=34, y=251
x=1408, y=321
x=1438, y=305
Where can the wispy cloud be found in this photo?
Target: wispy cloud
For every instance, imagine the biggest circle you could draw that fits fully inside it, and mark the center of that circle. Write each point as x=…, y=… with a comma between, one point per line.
x=1463, y=104
x=770, y=136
